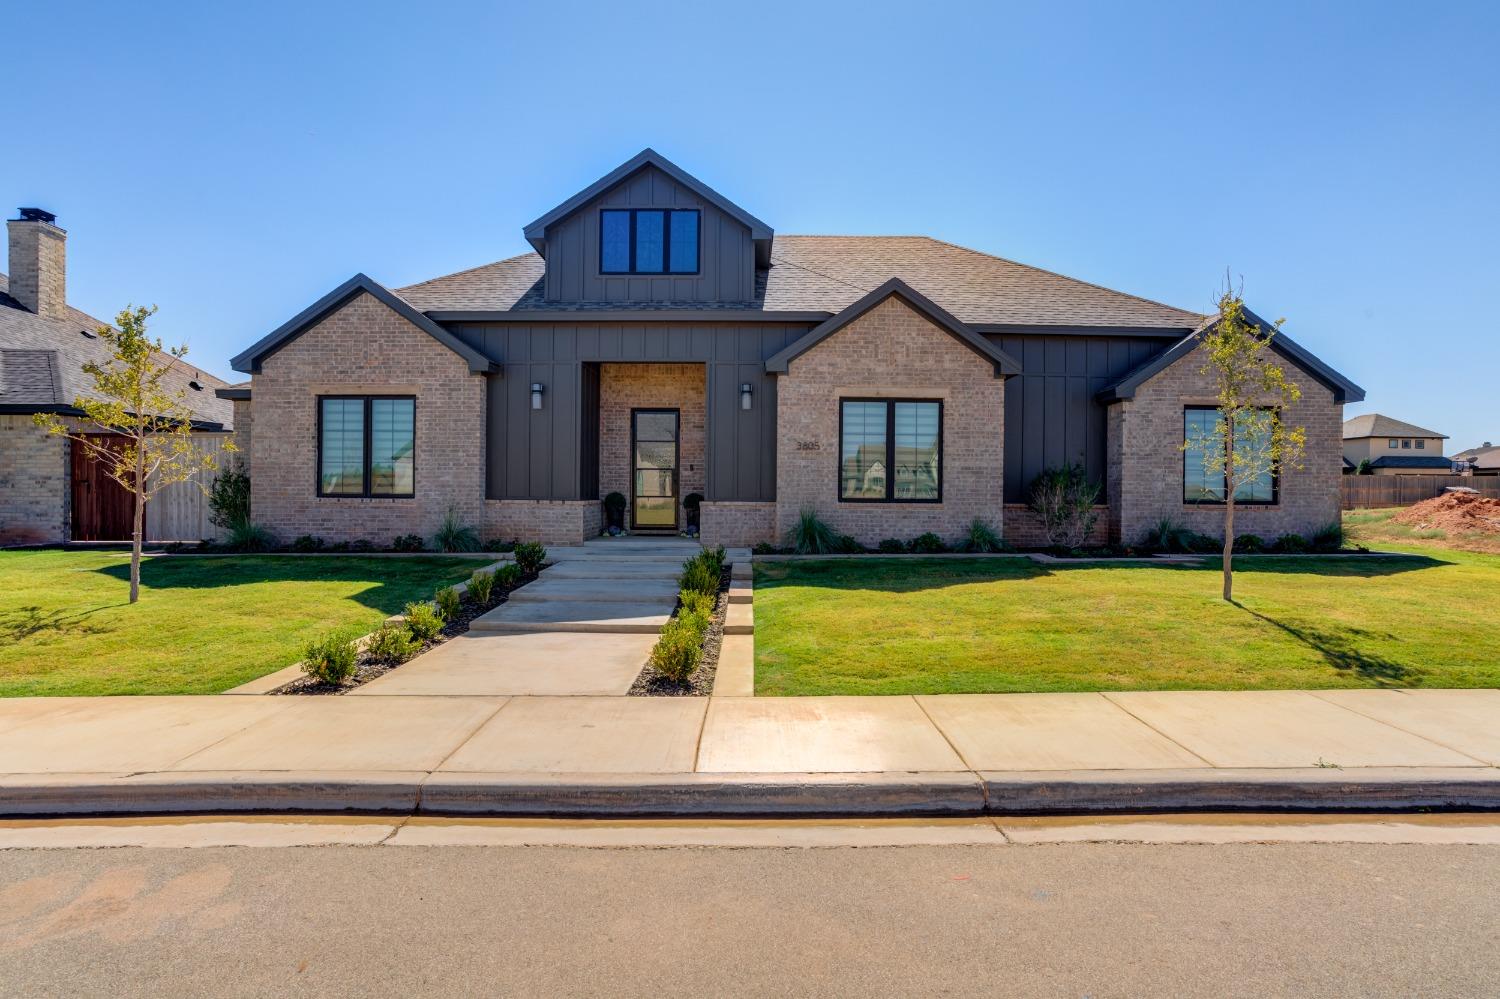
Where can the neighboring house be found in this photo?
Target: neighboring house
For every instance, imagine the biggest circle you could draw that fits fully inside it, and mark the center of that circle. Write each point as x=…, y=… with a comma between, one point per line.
x=1393, y=447
x=1482, y=460
x=50, y=491
x=662, y=341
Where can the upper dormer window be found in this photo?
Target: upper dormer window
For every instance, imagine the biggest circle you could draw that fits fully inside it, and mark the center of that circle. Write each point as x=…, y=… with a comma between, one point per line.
x=648, y=241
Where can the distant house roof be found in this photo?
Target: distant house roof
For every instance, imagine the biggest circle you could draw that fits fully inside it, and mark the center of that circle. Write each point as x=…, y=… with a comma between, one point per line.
x=826, y=274
x=1003, y=363
x=1377, y=425
x=1412, y=461
x=1475, y=452
x=42, y=359
x=1480, y=457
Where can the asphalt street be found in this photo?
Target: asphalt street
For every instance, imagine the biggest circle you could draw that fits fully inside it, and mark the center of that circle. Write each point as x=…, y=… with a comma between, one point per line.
x=1086, y=919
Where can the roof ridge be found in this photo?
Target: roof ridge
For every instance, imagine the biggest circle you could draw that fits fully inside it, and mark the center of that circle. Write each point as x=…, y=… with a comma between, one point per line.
x=1064, y=277
x=466, y=270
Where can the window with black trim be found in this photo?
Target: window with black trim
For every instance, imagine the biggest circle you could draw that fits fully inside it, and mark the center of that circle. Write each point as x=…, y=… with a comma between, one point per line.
x=1202, y=486
x=648, y=240
x=366, y=445
x=891, y=451
x=1421, y=444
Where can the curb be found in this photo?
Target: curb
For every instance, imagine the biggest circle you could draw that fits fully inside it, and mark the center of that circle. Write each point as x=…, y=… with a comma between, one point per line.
x=892, y=795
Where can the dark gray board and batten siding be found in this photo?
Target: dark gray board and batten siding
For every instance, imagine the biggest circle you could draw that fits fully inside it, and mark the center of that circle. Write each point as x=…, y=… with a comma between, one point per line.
x=725, y=251
x=552, y=453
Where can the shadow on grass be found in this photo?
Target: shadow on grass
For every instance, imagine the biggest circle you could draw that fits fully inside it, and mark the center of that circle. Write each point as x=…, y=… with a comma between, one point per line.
x=25, y=622
x=1339, y=651
x=393, y=582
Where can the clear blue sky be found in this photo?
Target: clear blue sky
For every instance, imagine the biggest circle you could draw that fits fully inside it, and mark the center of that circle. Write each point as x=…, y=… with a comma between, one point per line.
x=233, y=162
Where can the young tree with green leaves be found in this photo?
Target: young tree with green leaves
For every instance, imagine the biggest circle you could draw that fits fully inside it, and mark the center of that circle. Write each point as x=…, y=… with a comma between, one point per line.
x=150, y=435
x=1249, y=438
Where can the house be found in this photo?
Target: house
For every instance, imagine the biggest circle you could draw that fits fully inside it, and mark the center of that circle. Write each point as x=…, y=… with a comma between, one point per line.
x=1393, y=447
x=1482, y=460
x=50, y=491
x=660, y=341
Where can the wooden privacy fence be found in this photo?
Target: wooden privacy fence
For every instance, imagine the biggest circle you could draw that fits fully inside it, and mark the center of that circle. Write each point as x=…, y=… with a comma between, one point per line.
x=180, y=511
x=1404, y=490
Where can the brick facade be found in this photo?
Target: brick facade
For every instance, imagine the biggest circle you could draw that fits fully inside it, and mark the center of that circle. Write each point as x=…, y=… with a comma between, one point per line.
x=552, y=522
x=1144, y=441
x=891, y=351
x=366, y=348
x=623, y=387
x=34, y=484
x=242, y=428
x=737, y=524
x=39, y=267
x=1023, y=530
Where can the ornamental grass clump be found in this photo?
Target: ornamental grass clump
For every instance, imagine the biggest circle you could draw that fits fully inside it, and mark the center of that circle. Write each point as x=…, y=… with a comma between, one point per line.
x=811, y=535
x=453, y=535
x=331, y=659
x=982, y=539
x=423, y=621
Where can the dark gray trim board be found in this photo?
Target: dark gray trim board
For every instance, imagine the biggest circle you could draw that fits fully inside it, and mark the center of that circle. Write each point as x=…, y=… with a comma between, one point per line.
x=1035, y=329
x=240, y=392
x=26, y=409
x=575, y=317
x=761, y=233
x=250, y=360
x=1004, y=364
x=1343, y=389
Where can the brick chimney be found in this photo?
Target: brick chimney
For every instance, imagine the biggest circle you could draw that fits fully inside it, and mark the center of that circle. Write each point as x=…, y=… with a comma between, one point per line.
x=38, y=263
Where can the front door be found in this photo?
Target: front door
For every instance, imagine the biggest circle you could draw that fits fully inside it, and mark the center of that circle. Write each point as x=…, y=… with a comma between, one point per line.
x=653, y=467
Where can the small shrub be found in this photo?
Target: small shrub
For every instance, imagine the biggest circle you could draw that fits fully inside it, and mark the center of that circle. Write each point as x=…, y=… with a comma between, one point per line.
x=362, y=545
x=1366, y=467
x=497, y=545
x=811, y=535
x=698, y=577
x=614, y=510
x=391, y=644
x=448, y=602
x=1203, y=544
x=229, y=498
x=453, y=535
x=1062, y=499
x=248, y=537
x=679, y=650
x=530, y=556
x=1167, y=535
x=423, y=621
x=508, y=576
x=339, y=546
x=845, y=544
x=982, y=538
x=694, y=602
x=1249, y=544
x=763, y=548
x=407, y=543
x=1330, y=538
x=927, y=544
x=331, y=659
x=1291, y=544
x=891, y=546
x=714, y=558
x=481, y=585
x=307, y=543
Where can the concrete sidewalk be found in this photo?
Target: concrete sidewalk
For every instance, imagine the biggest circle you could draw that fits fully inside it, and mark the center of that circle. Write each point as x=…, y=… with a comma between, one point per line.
x=950, y=754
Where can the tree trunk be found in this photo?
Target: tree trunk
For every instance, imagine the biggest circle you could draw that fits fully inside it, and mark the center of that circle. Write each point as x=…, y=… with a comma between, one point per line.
x=137, y=534
x=1229, y=547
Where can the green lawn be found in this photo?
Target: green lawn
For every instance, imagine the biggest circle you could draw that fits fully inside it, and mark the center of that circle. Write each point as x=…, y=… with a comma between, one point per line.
x=202, y=625
x=966, y=626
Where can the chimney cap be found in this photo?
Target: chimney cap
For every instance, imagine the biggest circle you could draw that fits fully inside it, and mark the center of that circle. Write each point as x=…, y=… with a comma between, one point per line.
x=37, y=215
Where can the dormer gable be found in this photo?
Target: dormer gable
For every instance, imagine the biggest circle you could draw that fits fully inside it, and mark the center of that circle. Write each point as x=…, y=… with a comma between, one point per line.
x=650, y=232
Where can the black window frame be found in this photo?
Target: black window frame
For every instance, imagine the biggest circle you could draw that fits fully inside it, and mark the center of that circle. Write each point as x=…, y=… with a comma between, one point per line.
x=890, y=451
x=368, y=429
x=666, y=245
x=1275, y=472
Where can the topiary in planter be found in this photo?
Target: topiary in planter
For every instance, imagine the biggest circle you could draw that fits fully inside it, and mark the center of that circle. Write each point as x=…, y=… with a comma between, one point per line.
x=614, y=510
x=690, y=504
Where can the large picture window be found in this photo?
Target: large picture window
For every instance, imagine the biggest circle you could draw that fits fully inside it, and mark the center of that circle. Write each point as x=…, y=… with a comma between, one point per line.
x=648, y=241
x=366, y=446
x=1201, y=486
x=890, y=450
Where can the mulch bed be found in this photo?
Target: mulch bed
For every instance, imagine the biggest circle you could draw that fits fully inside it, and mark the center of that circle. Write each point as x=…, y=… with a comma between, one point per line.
x=368, y=669
x=701, y=684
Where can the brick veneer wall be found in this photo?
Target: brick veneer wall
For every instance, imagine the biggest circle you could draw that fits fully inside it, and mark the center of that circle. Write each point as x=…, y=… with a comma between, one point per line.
x=242, y=428
x=365, y=347
x=1145, y=435
x=623, y=387
x=34, y=484
x=737, y=524
x=1023, y=530
x=891, y=351
x=552, y=522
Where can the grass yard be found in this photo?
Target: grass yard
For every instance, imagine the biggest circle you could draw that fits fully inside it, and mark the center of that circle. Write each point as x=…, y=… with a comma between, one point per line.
x=1376, y=528
x=202, y=625
x=968, y=626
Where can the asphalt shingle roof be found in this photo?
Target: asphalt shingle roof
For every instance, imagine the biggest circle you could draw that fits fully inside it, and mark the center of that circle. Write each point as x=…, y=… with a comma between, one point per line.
x=1376, y=425
x=1411, y=461
x=41, y=362
x=829, y=273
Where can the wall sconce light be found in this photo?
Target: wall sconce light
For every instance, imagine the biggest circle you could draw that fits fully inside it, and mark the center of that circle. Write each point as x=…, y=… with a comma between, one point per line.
x=745, y=396
x=537, y=388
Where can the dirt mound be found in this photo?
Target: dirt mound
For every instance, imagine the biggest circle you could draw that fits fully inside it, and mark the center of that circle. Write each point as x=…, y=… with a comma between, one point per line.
x=1454, y=512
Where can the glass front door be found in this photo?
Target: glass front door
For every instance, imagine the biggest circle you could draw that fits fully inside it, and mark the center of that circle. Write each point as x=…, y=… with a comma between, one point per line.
x=653, y=457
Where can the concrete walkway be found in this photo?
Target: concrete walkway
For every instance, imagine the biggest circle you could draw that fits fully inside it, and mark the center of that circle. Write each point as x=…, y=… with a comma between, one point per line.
x=954, y=754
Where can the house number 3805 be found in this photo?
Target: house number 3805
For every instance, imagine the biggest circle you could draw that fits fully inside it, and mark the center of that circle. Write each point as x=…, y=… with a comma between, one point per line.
x=809, y=445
